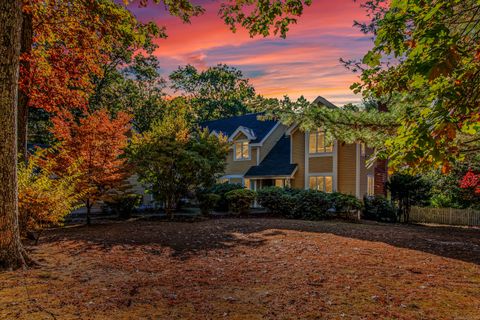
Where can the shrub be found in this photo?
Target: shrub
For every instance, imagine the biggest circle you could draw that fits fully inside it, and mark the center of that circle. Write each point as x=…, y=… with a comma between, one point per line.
x=222, y=189
x=344, y=204
x=277, y=200
x=379, y=209
x=207, y=201
x=123, y=204
x=44, y=199
x=240, y=200
x=311, y=205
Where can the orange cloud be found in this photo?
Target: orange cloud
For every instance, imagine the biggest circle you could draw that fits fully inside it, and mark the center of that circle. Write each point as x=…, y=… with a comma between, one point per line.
x=306, y=63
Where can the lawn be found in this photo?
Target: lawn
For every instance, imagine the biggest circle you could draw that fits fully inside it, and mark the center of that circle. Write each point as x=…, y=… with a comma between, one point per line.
x=248, y=269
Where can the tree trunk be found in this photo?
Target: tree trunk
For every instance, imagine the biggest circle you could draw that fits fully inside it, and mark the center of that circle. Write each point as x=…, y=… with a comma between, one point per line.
x=25, y=49
x=89, y=211
x=12, y=255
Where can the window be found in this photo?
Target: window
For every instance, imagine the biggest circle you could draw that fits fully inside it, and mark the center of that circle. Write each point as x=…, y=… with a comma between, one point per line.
x=321, y=183
x=370, y=185
x=363, y=149
x=247, y=184
x=242, y=150
x=318, y=143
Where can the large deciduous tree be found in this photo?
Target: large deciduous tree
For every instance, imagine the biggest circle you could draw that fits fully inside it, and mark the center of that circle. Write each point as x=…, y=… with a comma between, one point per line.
x=11, y=251
x=426, y=53
x=219, y=91
x=173, y=159
x=98, y=142
x=76, y=44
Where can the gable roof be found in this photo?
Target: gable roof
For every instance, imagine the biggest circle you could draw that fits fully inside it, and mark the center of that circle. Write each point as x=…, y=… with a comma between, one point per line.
x=321, y=100
x=227, y=126
x=276, y=163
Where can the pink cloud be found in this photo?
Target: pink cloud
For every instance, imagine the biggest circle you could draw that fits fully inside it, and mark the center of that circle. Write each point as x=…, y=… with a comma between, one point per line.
x=304, y=64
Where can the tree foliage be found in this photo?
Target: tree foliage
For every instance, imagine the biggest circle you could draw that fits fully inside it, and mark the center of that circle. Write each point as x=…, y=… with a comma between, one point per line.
x=218, y=92
x=423, y=74
x=407, y=190
x=426, y=64
x=44, y=197
x=98, y=142
x=136, y=89
x=173, y=159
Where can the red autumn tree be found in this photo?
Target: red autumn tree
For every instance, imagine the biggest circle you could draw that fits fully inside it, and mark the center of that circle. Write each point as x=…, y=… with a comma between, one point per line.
x=98, y=141
x=65, y=46
x=471, y=181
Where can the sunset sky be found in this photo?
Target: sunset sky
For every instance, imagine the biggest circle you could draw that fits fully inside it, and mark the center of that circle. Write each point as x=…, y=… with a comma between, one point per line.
x=306, y=63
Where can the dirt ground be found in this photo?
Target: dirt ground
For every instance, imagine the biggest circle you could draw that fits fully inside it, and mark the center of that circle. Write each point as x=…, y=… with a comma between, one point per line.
x=256, y=268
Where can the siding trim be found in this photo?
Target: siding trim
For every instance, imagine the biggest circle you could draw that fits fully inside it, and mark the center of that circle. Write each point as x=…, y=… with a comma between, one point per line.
x=335, y=165
x=306, y=151
x=357, y=170
x=320, y=155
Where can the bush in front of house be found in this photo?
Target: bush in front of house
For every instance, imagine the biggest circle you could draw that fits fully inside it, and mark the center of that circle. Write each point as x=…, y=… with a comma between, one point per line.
x=221, y=189
x=312, y=205
x=277, y=200
x=207, y=201
x=240, y=200
x=345, y=205
x=379, y=209
x=123, y=204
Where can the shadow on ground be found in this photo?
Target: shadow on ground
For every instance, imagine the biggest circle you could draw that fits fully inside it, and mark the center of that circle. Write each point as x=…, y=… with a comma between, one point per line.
x=190, y=238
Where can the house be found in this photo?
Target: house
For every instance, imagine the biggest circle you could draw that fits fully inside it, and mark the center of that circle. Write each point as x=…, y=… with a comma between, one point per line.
x=268, y=153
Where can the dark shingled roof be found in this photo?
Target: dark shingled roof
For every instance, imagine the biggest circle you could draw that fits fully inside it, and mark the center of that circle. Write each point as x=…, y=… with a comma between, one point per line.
x=276, y=163
x=228, y=125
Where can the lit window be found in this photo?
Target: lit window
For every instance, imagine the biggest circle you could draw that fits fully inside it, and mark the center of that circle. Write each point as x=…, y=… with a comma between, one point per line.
x=318, y=143
x=246, y=183
x=242, y=150
x=321, y=183
x=370, y=185
x=363, y=149
x=279, y=183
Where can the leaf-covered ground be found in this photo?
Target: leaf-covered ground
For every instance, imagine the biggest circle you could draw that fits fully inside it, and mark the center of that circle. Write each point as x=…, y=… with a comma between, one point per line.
x=249, y=269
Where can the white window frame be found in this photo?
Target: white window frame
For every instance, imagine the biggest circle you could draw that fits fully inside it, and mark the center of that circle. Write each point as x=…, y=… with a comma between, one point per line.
x=235, y=150
x=323, y=175
x=370, y=188
x=318, y=152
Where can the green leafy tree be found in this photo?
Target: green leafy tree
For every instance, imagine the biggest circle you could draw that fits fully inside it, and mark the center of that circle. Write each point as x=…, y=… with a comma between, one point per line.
x=407, y=190
x=173, y=159
x=136, y=89
x=425, y=66
x=421, y=82
x=218, y=92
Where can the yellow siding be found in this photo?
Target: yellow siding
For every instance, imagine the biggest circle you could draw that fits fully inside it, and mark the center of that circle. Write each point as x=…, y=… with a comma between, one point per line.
x=364, y=171
x=272, y=140
x=346, y=168
x=240, y=136
x=320, y=164
x=236, y=180
x=240, y=167
x=298, y=157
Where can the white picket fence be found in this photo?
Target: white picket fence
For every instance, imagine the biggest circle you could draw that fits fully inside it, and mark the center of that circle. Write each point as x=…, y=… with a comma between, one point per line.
x=460, y=217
